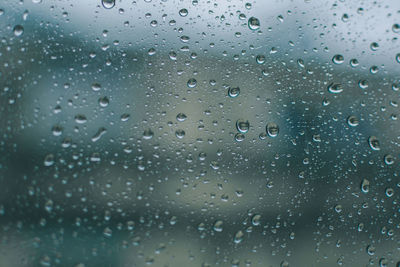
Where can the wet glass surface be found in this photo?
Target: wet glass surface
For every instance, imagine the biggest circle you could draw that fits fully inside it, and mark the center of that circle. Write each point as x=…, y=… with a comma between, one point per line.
x=199, y=133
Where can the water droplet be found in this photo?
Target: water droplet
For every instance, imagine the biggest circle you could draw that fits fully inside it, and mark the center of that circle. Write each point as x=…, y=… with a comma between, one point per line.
x=18, y=30
x=364, y=186
x=374, y=46
x=370, y=250
x=398, y=58
x=396, y=28
x=36, y=1
x=96, y=87
x=233, y=91
x=57, y=130
x=107, y=232
x=218, y=226
x=49, y=206
x=180, y=133
x=253, y=23
x=125, y=117
x=103, y=101
x=338, y=59
x=383, y=262
x=388, y=159
x=374, y=143
x=352, y=121
x=192, y=83
x=354, y=62
x=389, y=192
x=80, y=118
x=256, y=219
x=335, y=88
x=363, y=84
x=108, y=4
x=148, y=134
x=239, y=137
x=284, y=264
x=181, y=117
x=49, y=160
x=338, y=208
x=100, y=132
x=272, y=129
x=183, y=12
x=260, y=59
x=242, y=125
x=238, y=237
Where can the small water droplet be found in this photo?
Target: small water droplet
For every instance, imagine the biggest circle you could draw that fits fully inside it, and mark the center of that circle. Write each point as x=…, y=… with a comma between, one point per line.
x=389, y=192
x=256, y=219
x=239, y=137
x=103, y=101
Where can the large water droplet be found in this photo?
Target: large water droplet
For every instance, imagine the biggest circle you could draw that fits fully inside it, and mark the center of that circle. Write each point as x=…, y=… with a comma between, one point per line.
x=242, y=125
x=338, y=59
x=335, y=88
x=374, y=143
x=253, y=23
x=233, y=91
x=18, y=30
x=218, y=226
x=272, y=129
x=183, y=12
x=364, y=186
x=192, y=83
x=352, y=121
x=108, y=4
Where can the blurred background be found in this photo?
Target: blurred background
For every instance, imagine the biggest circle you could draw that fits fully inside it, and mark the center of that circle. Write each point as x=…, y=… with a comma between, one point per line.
x=199, y=133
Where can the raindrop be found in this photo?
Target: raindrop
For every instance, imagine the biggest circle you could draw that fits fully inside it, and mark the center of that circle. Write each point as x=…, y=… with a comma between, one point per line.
x=238, y=237
x=192, y=83
x=352, y=121
x=148, y=134
x=103, y=102
x=233, y=91
x=242, y=125
x=218, y=226
x=18, y=30
x=239, y=137
x=335, y=88
x=180, y=133
x=389, y=192
x=338, y=59
x=183, y=12
x=374, y=46
x=388, y=159
x=181, y=117
x=272, y=129
x=254, y=23
x=108, y=4
x=374, y=143
x=364, y=186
